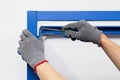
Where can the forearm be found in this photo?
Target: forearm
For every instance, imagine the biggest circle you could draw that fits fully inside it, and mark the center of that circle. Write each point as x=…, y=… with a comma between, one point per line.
x=46, y=72
x=111, y=49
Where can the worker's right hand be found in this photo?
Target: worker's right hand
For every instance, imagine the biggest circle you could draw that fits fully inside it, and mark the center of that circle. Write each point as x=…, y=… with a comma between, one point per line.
x=86, y=32
x=31, y=49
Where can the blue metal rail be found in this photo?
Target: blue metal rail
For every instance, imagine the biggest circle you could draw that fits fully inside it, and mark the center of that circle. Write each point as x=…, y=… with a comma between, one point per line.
x=106, y=30
x=78, y=15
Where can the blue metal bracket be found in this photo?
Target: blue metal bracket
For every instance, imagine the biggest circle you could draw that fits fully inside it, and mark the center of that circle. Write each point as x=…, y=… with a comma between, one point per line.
x=34, y=16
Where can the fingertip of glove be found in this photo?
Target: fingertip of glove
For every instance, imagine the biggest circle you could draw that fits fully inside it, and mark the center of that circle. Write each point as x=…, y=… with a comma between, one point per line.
x=70, y=25
x=24, y=31
x=18, y=51
x=23, y=58
x=27, y=33
x=73, y=39
x=22, y=37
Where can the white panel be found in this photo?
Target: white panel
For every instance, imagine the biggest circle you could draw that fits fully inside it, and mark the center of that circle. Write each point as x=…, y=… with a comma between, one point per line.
x=78, y=60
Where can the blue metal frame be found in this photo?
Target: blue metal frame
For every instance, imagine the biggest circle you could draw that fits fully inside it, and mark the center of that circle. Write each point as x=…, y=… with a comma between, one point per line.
x=34, y=16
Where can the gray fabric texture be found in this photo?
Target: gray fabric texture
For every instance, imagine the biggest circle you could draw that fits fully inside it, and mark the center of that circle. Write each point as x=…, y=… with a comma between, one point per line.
x=31, y=49
x=86, y=32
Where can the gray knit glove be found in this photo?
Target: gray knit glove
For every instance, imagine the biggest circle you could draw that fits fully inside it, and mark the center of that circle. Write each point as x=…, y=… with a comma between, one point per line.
x=31, y=49
x=86, y=32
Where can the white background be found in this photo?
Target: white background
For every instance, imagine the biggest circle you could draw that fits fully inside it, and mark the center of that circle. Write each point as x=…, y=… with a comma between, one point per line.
x=77, y=62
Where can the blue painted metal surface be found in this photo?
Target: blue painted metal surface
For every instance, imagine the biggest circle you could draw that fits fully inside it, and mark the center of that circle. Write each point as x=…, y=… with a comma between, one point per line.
x=51, y=30
x=34, y=16
x=32, y=27
x=78, y=15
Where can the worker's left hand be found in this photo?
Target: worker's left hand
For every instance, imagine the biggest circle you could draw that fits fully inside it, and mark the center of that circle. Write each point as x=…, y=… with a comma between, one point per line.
x=31, y=49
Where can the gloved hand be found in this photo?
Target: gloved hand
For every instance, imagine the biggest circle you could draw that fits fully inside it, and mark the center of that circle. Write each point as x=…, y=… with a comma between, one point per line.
x=86, y=32
x=31, y=49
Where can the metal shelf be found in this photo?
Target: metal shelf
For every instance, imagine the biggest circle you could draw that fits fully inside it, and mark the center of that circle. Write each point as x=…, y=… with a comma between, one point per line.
x=34, y=16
